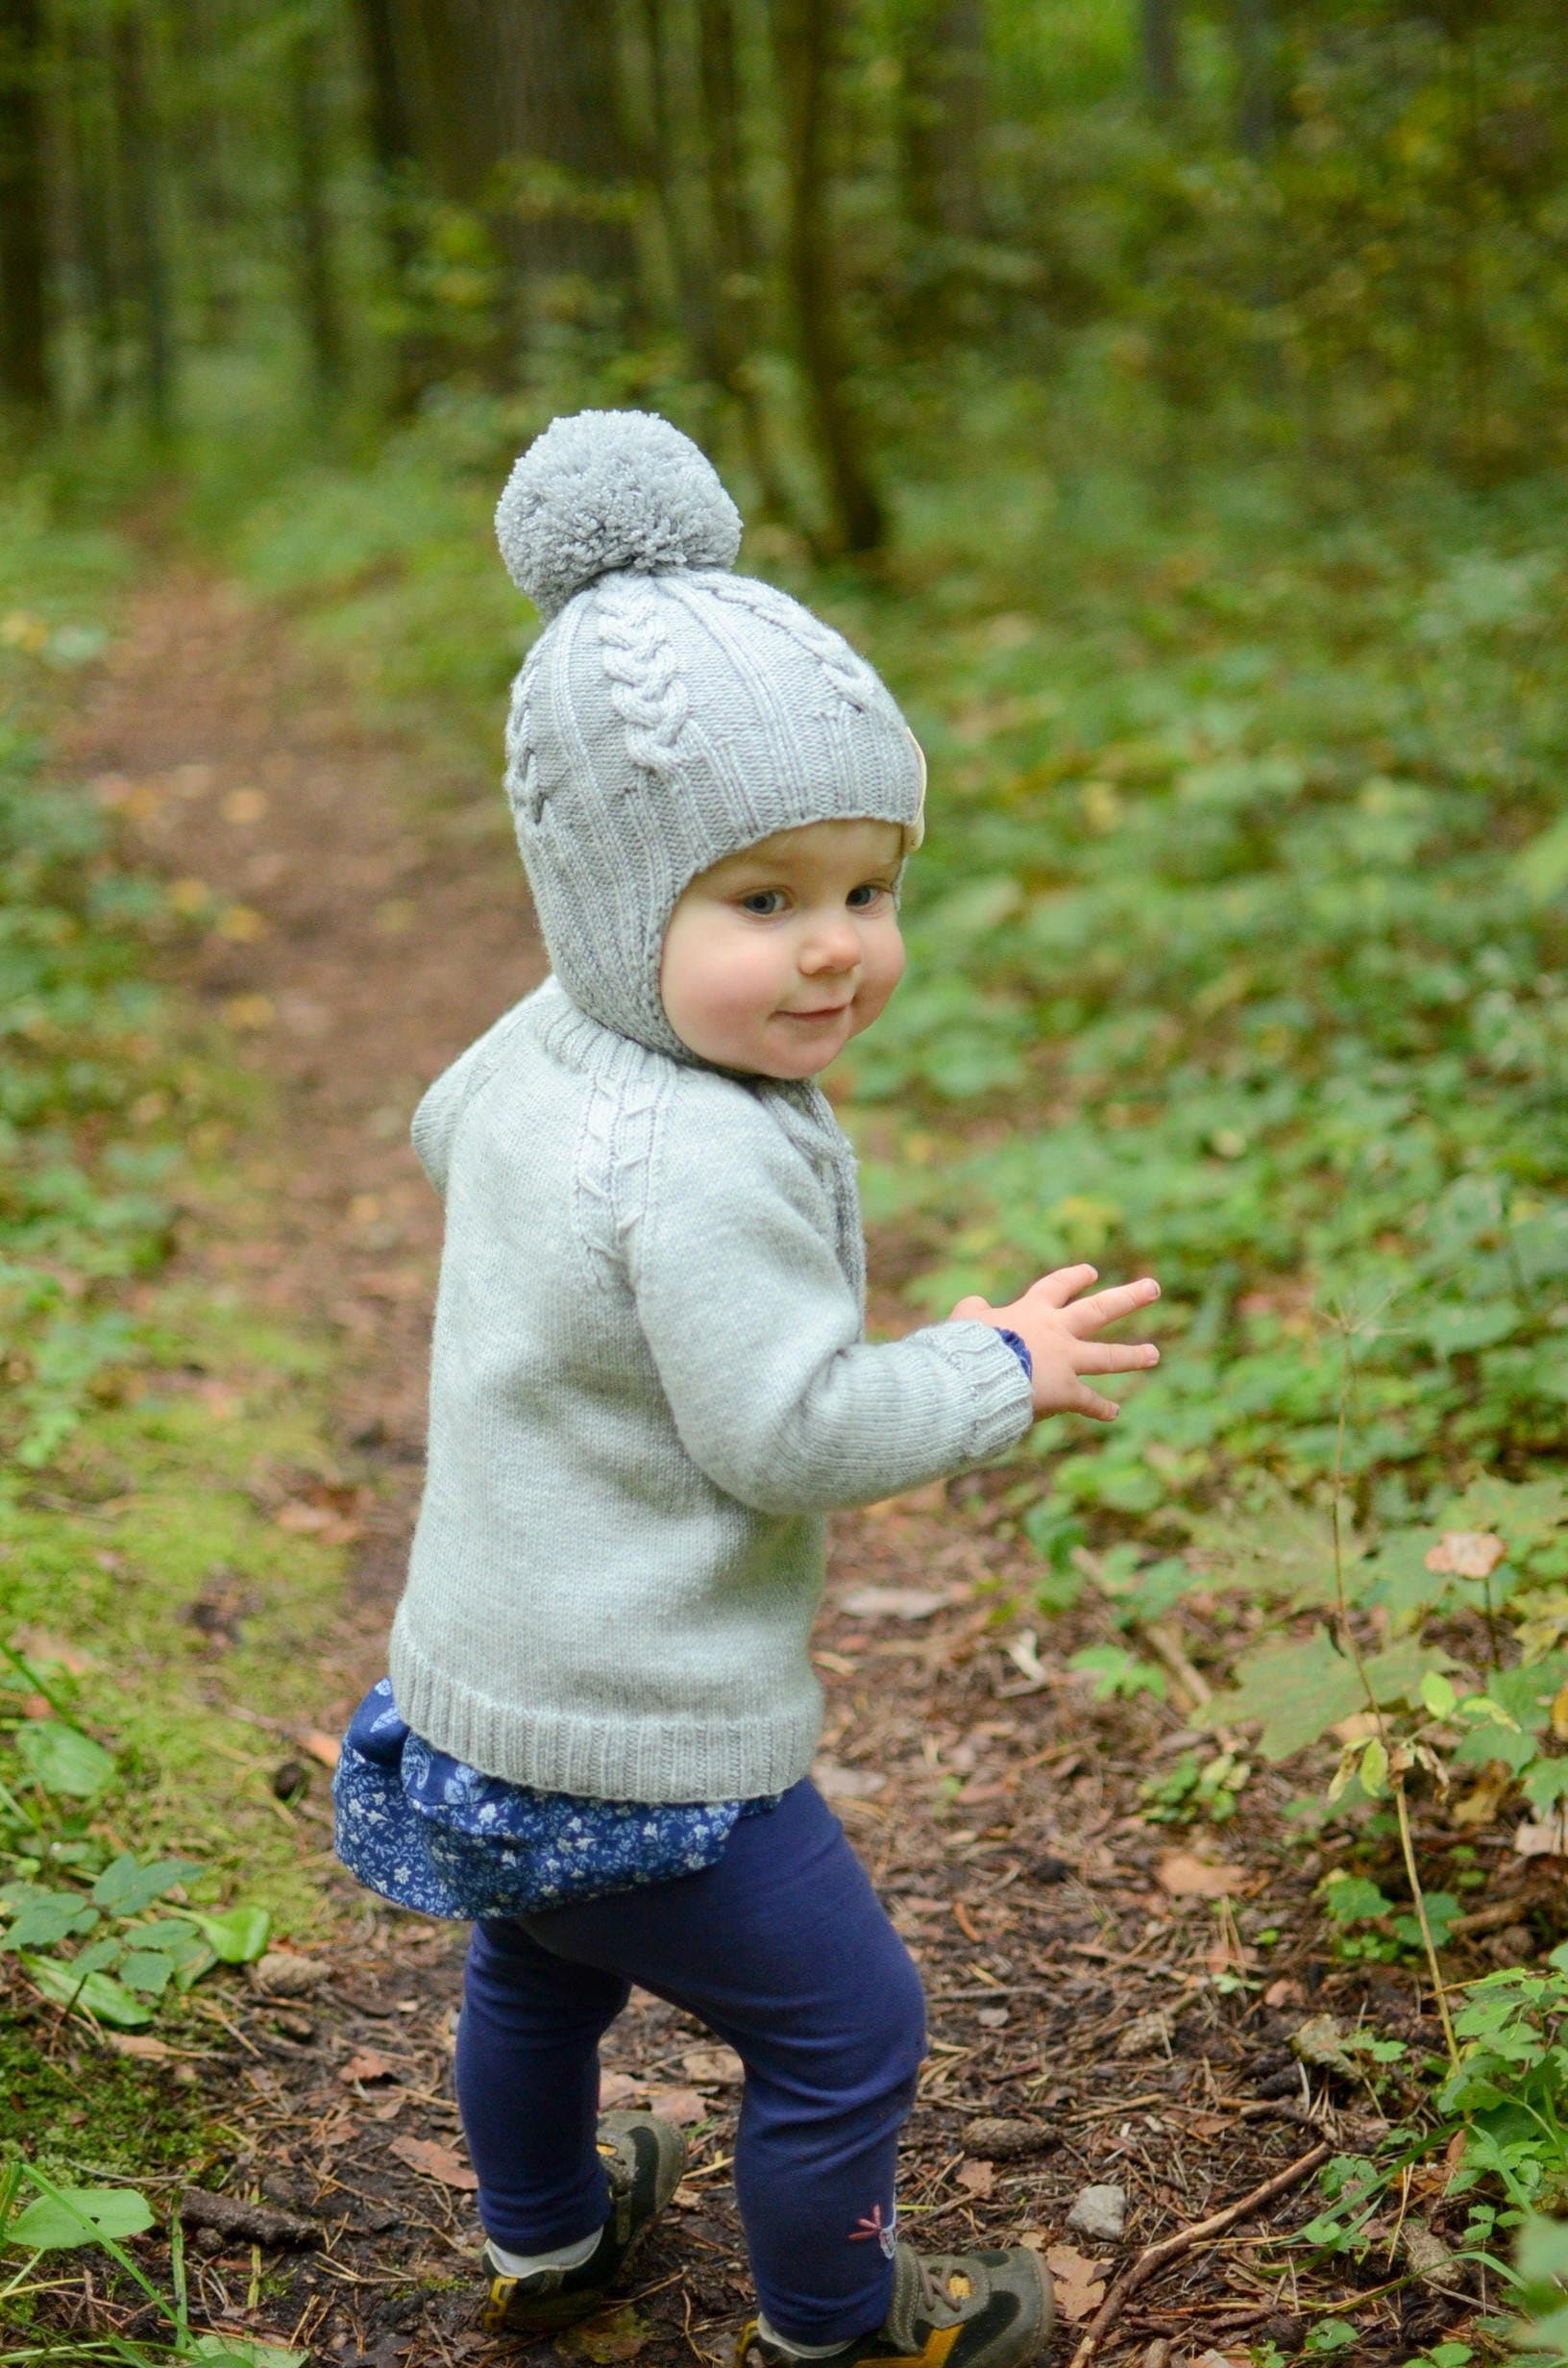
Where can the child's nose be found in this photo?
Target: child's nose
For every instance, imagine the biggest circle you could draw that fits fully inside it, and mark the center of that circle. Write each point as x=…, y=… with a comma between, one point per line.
x=833, y=945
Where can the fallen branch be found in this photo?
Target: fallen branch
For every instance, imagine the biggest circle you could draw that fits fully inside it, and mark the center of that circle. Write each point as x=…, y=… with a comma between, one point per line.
x=254, y=2224
x=1171, y=2248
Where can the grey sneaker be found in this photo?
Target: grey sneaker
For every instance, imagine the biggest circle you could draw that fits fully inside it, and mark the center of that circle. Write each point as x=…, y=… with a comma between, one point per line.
x=644, y=2158
x=950, y=2310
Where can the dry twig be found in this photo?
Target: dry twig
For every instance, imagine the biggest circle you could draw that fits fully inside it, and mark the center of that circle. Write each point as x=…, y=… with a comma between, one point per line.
x=1171, y=2248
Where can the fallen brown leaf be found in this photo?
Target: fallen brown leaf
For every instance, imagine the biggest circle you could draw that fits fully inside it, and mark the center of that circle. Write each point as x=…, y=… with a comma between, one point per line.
x=1185, y=1876
x=1079, y=2282
x=979, y=2177
x=1466, y=1553
x=1547, y=1839
x=718, y=2067
x=365, y=2065
x=617, y=2088
x=1486, y=1795
x=683, y=2106
x=434, y=2161
x=895, y=1602
x=615, y=2336
x=846, y=1784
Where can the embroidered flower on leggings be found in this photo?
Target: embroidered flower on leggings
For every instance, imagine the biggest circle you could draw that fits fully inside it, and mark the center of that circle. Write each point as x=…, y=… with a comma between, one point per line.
x=874, y=2226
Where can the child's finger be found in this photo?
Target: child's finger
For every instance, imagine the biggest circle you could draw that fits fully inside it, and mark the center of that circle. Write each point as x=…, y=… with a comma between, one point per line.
x=1056, y=1288
x=1113, y=1357
x=1088, y=1401
x=1092, y=1315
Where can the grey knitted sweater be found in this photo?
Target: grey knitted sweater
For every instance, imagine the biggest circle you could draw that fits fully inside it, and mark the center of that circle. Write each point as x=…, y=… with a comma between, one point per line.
x=649, y=1382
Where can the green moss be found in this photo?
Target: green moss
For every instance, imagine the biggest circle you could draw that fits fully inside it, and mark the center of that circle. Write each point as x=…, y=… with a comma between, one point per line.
x=81, y=2110
x=157, y=1423
x=177, y=1487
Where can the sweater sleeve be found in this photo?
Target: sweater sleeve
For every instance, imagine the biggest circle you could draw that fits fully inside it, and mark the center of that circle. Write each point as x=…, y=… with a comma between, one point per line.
x=756, y=1334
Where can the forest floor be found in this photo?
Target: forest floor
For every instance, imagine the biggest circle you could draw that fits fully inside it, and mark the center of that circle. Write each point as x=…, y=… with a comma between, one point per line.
x=1111, y=2002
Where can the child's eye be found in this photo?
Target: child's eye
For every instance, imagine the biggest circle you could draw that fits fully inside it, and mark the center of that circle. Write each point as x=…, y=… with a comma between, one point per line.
x=861, y=900
x=764, y=903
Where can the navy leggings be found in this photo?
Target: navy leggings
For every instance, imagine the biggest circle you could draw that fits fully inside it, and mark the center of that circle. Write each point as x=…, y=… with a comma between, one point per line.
x=784, y=1950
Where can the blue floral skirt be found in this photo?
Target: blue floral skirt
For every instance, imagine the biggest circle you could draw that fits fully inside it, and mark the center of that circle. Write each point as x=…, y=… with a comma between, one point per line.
x=430, y=1833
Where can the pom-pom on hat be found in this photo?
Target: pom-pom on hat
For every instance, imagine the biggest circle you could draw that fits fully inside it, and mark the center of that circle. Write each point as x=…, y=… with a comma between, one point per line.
x=605, y=490
x=670, y=712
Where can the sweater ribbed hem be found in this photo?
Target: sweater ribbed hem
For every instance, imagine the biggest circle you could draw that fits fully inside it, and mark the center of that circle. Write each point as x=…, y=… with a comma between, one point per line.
x=621, y=1758
x=1003, y=1398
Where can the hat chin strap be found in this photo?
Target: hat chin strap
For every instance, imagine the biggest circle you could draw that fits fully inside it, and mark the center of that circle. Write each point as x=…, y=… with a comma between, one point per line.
x=915, y=831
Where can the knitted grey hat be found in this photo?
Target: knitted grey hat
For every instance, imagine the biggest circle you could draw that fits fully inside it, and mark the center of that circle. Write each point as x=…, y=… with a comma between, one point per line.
x=670, y=712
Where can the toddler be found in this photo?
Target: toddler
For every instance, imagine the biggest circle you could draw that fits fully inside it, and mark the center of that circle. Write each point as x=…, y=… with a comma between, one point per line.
x=648, y=1384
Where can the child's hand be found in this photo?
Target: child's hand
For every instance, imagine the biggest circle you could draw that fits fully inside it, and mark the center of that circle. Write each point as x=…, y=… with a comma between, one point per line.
x=1055, y=1328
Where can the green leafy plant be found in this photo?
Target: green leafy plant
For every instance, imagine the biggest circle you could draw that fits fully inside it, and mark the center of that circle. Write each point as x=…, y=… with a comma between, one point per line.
x=1540, y=2291
x=1506, y=2093
x=88, y=1939
x=1195, y=1787
x=66, y=2219
x=1117, y=1673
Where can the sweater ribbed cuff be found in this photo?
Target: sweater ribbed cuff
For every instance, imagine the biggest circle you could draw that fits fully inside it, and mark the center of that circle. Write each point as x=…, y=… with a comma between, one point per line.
x=1003, y=1402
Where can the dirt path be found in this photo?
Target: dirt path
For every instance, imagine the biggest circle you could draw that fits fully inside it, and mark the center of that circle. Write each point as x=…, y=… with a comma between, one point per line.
x=1079, y=2036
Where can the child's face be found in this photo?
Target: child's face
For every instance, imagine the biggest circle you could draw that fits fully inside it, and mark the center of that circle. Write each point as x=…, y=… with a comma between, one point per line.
x=776, y=956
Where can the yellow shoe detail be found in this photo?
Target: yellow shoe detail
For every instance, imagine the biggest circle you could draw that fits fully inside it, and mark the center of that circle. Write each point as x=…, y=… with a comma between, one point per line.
x=493, y=2317
x=937, y=2345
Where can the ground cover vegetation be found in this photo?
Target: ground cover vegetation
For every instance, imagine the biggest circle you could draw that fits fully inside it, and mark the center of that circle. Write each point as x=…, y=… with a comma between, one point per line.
x=1172, y=407
x=137, y=1494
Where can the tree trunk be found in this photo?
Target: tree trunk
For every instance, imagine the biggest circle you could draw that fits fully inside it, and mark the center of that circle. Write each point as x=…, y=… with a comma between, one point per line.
x=386, y=49
x=736, y=310
x=25, y=295
x=1254, y=36
x=1163, y=54
x=138, y=174
x=664, y=181
x=319, y=304
x=803, y=32
x=530, y=85
x=945, y=117
x=89, y=113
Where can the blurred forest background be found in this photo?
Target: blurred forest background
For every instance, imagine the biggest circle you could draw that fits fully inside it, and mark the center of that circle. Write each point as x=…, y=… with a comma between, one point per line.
x=1169, y=395
x=1324, y=227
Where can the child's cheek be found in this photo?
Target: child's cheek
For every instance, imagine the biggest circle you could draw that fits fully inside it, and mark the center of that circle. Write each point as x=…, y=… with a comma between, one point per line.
x=883, y=968
x=739, y=984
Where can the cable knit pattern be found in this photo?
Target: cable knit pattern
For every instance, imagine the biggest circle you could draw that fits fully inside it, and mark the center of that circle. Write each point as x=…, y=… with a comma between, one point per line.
x=522, y=763
x=848, y=673
x=649, y=1382
x=646, y=688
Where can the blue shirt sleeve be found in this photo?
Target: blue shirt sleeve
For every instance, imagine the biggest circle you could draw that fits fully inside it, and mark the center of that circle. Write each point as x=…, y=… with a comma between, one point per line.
x=1020, y=1349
